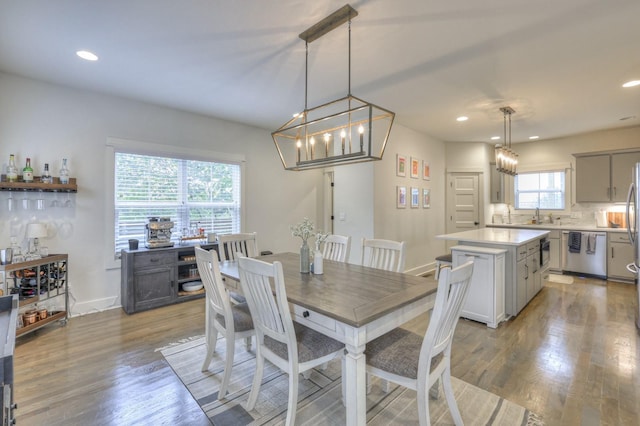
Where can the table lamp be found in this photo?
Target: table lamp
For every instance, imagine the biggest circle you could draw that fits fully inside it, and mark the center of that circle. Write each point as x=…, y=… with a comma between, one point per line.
x=35, y=231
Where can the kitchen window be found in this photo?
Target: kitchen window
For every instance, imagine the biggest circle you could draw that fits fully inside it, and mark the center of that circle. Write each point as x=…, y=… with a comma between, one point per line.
x=193, y=194
x=543, y=190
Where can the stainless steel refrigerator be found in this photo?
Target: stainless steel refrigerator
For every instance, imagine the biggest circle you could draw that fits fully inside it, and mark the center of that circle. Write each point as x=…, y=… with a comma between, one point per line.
x=633, y=225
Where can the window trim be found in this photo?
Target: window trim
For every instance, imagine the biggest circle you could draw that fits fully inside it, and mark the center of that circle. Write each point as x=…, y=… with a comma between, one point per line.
x=114, y=145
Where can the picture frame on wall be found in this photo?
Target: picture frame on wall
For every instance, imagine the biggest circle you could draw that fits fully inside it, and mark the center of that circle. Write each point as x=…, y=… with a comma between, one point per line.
x=401, y=165
x=426, y=170
x=415, y=198
x=415, y=167
x=401, y=197
x=426, y=198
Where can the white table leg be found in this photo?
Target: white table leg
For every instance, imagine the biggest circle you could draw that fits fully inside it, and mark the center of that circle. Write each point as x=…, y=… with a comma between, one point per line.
x=356, y=386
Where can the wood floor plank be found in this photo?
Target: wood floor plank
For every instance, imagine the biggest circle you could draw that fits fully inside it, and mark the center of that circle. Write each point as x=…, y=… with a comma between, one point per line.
x=572, y=356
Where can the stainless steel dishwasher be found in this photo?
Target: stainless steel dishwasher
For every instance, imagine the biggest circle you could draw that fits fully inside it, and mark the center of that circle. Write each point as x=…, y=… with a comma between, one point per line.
x=585, y=253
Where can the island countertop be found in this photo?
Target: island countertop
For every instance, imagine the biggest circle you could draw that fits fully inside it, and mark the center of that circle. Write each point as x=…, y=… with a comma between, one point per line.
x=497, y=236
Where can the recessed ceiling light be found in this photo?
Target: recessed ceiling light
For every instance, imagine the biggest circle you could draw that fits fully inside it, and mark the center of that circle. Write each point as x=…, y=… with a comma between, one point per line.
x=533, y=137
x=462, y=118
x=86, y=55
x=495, y=138
x=632, y=83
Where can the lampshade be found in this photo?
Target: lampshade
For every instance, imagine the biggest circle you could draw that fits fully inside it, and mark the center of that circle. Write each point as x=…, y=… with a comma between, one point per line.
x=36, y=230
x=344, y=131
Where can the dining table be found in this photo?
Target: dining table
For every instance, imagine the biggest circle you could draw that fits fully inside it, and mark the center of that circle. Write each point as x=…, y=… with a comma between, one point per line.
x=351, y=303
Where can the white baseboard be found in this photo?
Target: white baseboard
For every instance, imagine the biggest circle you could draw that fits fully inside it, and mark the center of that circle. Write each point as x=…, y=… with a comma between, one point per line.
x=94, y=306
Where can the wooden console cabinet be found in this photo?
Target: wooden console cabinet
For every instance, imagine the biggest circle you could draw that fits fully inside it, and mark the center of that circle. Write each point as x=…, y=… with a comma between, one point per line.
x=151, y=278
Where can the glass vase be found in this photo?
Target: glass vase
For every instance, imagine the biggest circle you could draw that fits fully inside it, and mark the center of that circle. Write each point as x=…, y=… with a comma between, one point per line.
x=304, y=258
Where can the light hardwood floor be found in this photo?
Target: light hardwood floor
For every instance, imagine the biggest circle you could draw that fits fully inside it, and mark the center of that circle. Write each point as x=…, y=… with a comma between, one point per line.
x=571, y=356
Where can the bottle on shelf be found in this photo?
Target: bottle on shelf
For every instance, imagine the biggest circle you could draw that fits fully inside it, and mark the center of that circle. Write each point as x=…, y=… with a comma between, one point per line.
x=12, y=170
x=27, y=172
x=64, y=172
x=46, y=176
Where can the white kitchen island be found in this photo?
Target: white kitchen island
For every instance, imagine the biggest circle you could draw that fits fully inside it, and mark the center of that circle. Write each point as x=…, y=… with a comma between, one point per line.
x=523, y=271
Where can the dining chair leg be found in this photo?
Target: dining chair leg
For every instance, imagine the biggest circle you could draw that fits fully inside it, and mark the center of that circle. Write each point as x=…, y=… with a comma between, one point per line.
x=293, y=398
x=257, y=381
x=228, y=366
x=211, y=340
x=448, y=393
x=306, y=374
x=423, y=405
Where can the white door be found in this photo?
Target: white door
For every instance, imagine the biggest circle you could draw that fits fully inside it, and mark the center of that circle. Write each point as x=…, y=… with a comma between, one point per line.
x=463, y=202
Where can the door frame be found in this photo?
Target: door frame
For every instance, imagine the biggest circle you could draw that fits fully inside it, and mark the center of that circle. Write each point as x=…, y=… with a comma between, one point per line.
x=482, y=176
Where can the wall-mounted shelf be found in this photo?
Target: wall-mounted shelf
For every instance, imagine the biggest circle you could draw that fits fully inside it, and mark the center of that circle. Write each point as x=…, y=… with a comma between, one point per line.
x=36, y=185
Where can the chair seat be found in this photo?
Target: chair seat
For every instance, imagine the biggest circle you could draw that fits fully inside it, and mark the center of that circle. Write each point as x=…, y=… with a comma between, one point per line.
x=241, y=318
x=311, y=344
x=397, y=352
x=445, y=258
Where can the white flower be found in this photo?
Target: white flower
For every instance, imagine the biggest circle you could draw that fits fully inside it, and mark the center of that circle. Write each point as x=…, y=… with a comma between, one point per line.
x=303, y=229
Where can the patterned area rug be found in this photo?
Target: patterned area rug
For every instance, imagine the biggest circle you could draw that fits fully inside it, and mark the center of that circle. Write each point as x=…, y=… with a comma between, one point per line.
x=319, y=397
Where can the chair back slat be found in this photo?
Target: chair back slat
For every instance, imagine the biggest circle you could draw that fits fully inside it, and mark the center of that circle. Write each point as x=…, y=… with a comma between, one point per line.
x=337, y=247
x=209, y=271
x=383, y=254
x=230, y=244
x=271, y=316
x=453, y=287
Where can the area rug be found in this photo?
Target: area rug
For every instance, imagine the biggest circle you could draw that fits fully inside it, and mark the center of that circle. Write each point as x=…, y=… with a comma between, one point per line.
x=560, y=279
x=319, y=396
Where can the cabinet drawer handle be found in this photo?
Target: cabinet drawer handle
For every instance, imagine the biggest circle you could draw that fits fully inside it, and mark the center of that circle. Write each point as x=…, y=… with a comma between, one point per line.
x=154, y=260
x=305, y=314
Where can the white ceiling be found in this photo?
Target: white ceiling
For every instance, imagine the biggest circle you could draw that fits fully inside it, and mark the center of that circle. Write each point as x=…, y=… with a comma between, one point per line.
x=559, y=64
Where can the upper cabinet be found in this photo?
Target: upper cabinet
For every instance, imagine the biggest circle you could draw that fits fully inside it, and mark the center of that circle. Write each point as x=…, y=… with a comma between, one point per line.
x=604, y=177
x=501, y=186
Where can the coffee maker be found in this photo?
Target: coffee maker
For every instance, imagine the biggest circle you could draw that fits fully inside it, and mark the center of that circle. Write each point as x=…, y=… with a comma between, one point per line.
x=158, y=232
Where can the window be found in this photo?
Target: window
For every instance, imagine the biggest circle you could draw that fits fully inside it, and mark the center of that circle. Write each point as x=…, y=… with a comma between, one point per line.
x=193, y=194
x=544, y=190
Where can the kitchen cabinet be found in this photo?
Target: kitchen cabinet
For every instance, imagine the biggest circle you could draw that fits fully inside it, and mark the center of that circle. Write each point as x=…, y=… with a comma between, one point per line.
x=604, y=177
x=500, y=186
x=9, y=307
x=151, y=278
x=528, y=275
x=555, y=253
x=485, y=301
x=619, y=255
x=41, y=286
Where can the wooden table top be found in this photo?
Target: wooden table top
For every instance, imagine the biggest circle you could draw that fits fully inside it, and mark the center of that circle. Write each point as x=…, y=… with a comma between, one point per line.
x=352, y=294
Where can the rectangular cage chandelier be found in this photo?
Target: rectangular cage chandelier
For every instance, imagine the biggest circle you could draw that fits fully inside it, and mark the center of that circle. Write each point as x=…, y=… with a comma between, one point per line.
x=345, y=131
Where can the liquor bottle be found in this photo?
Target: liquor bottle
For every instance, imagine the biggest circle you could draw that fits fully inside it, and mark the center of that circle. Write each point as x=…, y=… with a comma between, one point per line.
x=64, y=172
x=46, y=176
x=27, y=172
x=12, y=170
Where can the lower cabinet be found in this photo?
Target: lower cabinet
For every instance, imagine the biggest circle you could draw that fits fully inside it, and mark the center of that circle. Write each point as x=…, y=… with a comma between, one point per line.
x=151, y=278
x=619, y=255
x=555, y=253
x=485, y=301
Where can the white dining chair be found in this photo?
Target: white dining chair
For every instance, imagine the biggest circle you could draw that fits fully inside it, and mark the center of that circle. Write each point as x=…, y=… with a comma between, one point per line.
x=290, y=346
x=383, y=254
x=417, y=363
x=232, y=321
x=230, y=244
x=337, y=247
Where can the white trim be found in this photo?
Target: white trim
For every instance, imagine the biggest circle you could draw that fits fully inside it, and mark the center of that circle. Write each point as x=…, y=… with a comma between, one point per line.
x=146, y=148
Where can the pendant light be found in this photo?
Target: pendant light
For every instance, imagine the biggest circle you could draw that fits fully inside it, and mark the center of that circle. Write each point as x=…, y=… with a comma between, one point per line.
x=506, y=157
x=347, y=130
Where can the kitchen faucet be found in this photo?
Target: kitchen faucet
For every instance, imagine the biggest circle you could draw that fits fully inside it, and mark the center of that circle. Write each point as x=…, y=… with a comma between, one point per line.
x=537, y=215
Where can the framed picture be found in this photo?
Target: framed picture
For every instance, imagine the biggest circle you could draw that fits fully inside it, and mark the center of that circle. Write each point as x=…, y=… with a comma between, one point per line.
x=401, y=197
x=401, y=165
x=426, y=171
x=415, y=198
x=426, y=198
x=415, y=167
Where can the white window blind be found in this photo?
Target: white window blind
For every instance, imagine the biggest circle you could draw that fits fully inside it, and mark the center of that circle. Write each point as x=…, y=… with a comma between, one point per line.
x=544, y=190
x=193, y=194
